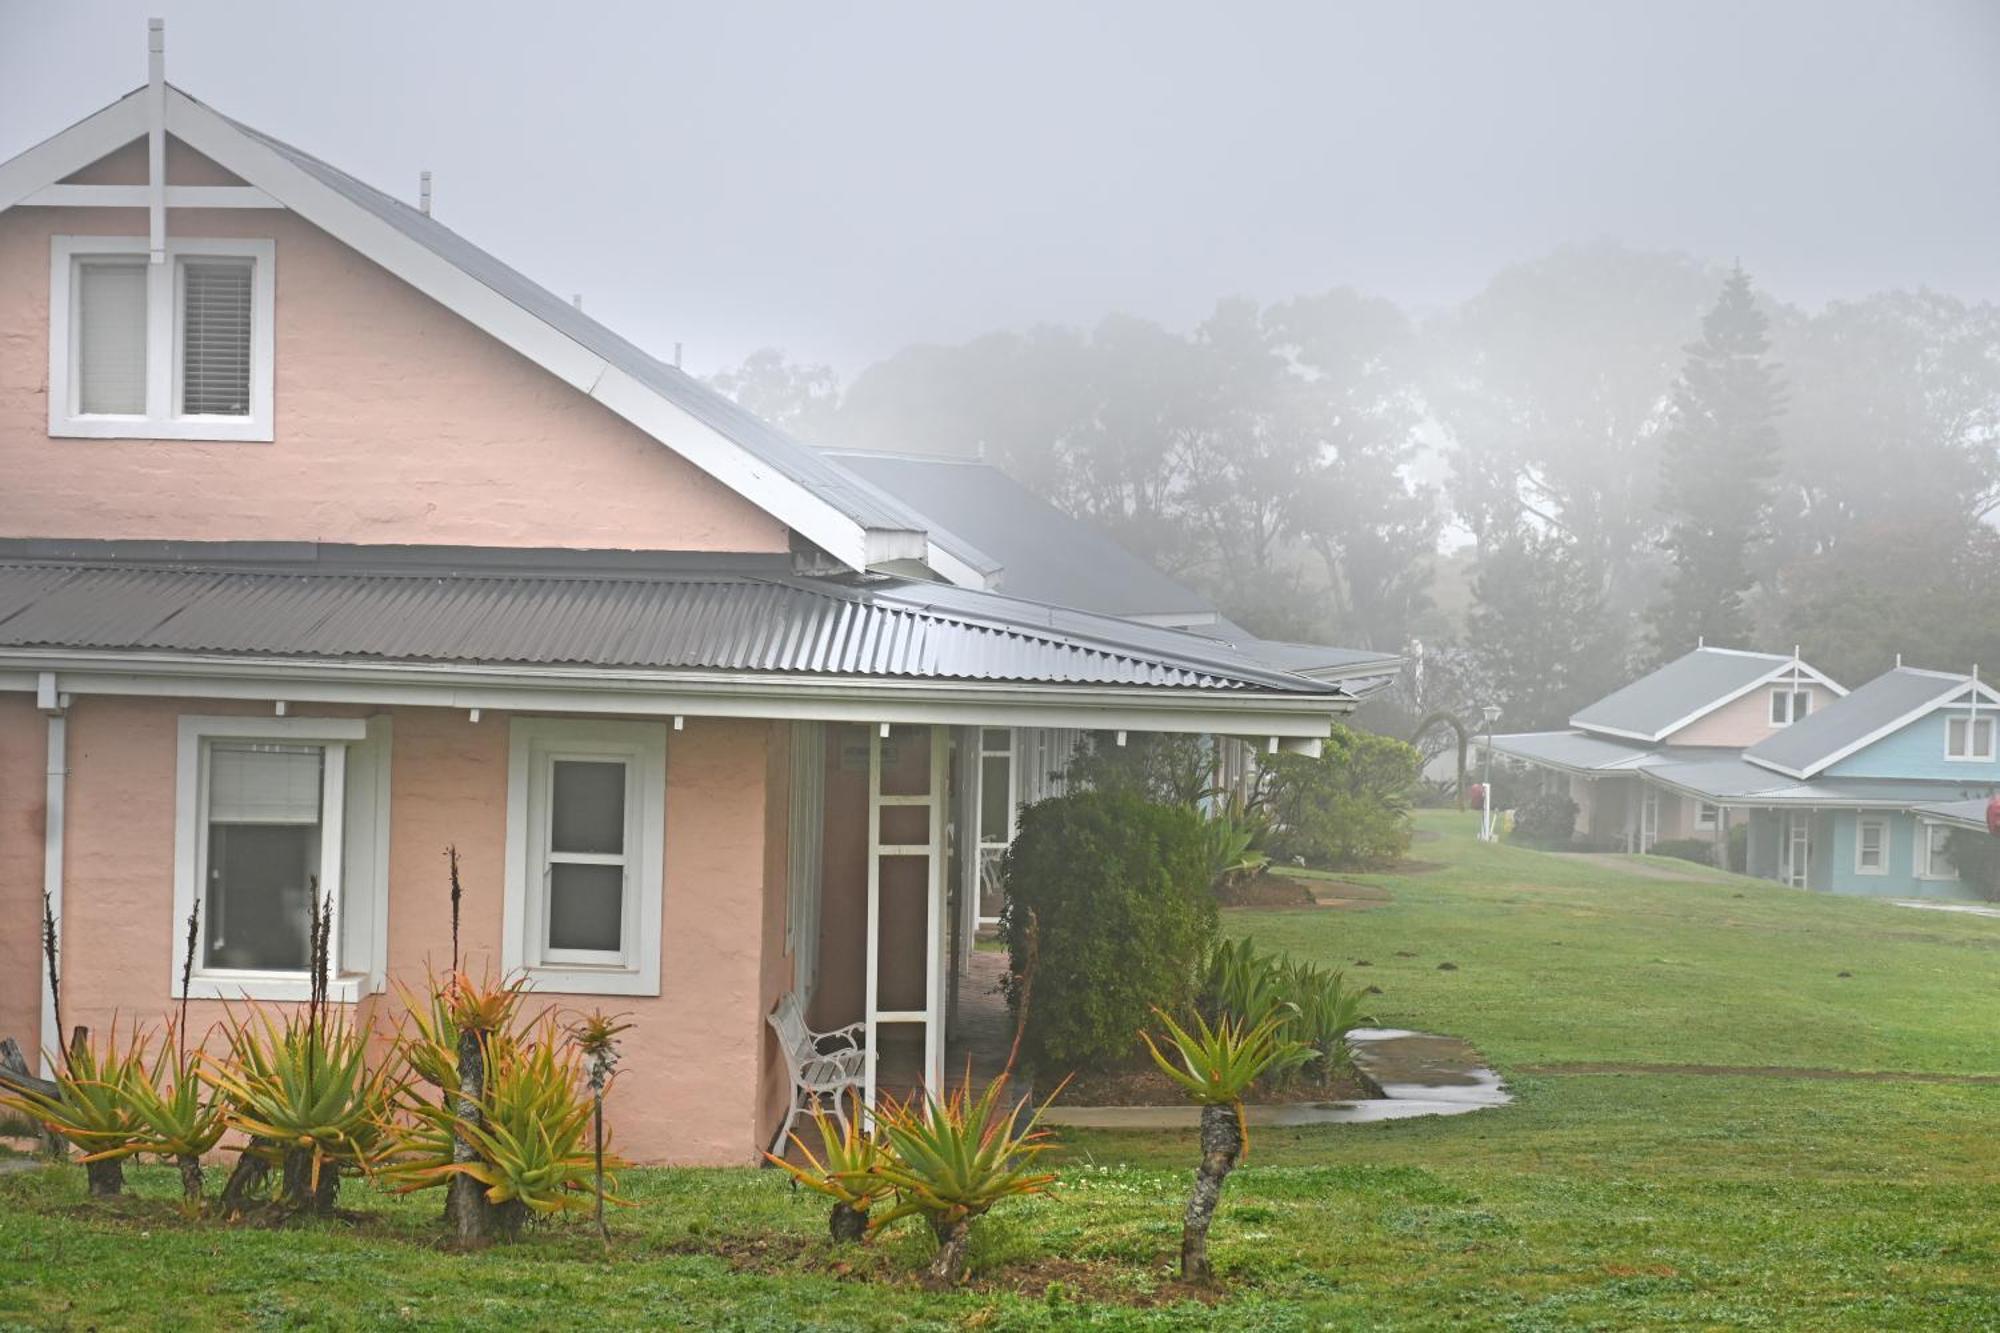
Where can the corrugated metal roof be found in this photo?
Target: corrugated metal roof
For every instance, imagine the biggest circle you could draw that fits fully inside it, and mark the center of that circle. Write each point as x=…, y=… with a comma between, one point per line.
x=1738, y=781
x=1959, y=814
x=666, y=621
x=850, y=495
x=1812, y=743
x=1684, y=688
x=1569, y=749
x=1043, y=554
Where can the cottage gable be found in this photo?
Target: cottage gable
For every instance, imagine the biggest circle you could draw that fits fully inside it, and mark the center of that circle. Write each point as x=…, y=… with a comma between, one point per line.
x=406, y=386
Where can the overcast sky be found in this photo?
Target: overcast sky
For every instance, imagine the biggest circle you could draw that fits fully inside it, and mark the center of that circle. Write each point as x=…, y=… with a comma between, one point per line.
x=842, y=179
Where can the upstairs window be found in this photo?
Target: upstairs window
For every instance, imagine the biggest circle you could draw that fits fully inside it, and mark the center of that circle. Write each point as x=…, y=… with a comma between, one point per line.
x=1969, y=738
x=173, y=351
x=1788, y=706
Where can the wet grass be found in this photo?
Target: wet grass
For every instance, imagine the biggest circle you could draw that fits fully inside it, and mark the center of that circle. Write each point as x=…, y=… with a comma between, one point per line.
x=1597, y=1200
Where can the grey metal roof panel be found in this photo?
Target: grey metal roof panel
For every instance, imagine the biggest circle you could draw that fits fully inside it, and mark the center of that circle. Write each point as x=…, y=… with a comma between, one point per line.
x=1044, y=554
x=1809, y=745
x=1693, y=683
x=1738, y=781
x=861, y=502
x=1960, y=814
x=1576, y=750
x=665, y=621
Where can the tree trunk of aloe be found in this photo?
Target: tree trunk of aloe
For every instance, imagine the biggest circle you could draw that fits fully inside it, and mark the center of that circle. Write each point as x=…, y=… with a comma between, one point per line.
x=847, y=1224
x=107, y=1178
x=301, y=1192
x=1221, y=1145
x=190, y=1166
x=948, y=1265
x=246, y=1179
x=465, y=1198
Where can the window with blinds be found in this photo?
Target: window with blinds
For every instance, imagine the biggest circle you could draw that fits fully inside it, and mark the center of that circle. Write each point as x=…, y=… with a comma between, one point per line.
x=111, y=337
x=215, y=332
x=264, y=816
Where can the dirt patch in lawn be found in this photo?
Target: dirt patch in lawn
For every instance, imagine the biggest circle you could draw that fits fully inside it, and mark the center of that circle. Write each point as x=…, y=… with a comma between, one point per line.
x=1338, y=893
x=1266, y=890
x=1136, y=1085
x=1757, y=1071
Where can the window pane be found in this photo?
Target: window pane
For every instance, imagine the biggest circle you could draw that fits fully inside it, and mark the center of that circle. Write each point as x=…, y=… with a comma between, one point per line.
x=111, y=337
x=586, y=906
x=215, y=337
x=996, y=738
x=1954, y=736
x=1982, y=736
x=260, y=895
x=995, y=795
x=588, y=812
x=1801, y=704
x=251, y=782
x=1779, y=715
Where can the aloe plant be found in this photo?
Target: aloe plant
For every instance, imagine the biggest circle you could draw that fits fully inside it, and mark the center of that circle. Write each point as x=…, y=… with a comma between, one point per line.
x=1325, y=1010
x=529, y=1134
x=180, y=1117
x=844, y=1170
x=596, y=1036
x=1241, y=983
x=1215, y=1066
x=951, y=1159
x=302, y=1089
x=92, y=1105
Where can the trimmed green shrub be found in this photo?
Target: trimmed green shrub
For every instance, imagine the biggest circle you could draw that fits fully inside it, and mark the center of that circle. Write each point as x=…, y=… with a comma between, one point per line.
x=1547, y=821
x=1698, y=850
x=1108, y=895
x=1739, y=848
x=1348, y=808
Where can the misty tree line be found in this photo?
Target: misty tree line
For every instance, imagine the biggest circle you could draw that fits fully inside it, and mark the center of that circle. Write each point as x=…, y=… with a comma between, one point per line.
x=1643, y=449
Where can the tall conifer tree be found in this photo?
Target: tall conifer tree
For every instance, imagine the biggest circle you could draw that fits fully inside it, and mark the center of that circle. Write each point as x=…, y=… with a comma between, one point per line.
x=1719, y=461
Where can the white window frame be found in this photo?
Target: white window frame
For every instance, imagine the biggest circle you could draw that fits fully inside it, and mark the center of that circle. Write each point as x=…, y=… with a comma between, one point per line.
x=1707, y=815
x=1794, y=696
x=980, y=842
x=535, y=745
x=1861, y=826
x=1924, y=860
x=160, y=420
x=1972, y=720
x=354, y=849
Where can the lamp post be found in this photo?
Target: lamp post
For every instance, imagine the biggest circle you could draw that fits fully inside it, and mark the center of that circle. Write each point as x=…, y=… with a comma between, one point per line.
x=1491, y=712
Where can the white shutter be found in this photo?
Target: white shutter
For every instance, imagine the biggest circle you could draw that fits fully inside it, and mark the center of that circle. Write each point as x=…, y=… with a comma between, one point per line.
x=111, y=337
x=215, y=337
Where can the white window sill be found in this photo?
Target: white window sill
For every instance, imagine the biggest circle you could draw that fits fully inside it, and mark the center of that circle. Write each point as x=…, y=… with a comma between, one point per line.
x=274, y=986
x=142, y=428
x=592, y=981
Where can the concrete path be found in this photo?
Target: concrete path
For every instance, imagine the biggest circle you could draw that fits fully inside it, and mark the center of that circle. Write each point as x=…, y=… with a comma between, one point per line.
x=1969, y=909
x=1419, y=1075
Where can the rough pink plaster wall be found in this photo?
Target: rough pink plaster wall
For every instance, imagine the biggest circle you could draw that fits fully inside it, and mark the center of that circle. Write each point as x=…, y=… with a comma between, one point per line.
x=23, y=742
x=695, y=1086
x=1742, y=722
x=397, y=421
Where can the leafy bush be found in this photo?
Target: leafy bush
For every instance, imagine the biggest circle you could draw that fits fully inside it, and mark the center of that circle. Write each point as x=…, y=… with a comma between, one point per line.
x=1311, y=1005
x=1349, y=807
x=1739, y=848
x=1977, y=856
x=1698, y=850
x=1232, y=835
x=1546, y=821
x=1167, y=768
x=1110, y=895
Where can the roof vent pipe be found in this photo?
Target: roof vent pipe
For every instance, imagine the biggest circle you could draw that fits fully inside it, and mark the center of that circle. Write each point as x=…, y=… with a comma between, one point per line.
x=424, y=193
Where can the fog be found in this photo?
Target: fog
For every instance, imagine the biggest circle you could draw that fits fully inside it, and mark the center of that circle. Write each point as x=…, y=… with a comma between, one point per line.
x=841, y=181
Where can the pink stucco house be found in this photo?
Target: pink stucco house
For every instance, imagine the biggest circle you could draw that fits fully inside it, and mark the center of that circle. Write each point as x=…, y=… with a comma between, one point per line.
x=328, y=541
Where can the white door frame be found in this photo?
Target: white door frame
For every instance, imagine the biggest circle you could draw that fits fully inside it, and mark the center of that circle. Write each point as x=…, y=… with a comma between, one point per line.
x=933, y=851
x=1795, y=852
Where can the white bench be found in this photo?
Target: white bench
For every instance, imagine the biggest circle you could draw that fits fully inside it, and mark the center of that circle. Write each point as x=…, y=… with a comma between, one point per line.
x=821, y=1064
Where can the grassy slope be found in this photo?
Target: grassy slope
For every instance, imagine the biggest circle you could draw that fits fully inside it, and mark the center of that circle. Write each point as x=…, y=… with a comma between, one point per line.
x=1597, y=1200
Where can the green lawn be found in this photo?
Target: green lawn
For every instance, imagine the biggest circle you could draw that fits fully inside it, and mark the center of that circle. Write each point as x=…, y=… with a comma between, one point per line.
x=1652, y=1199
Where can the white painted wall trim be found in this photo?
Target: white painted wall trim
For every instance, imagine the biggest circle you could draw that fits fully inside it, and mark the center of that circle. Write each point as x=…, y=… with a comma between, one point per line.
x=140, y=196
x=54, y=795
